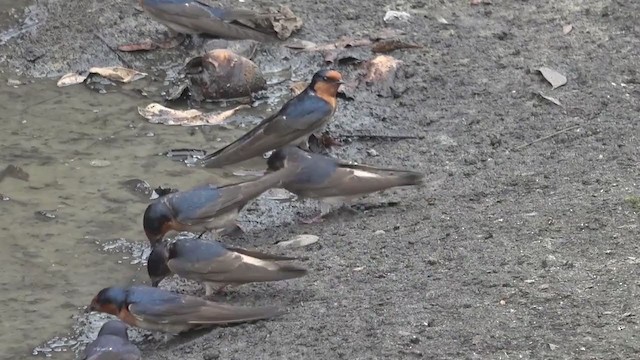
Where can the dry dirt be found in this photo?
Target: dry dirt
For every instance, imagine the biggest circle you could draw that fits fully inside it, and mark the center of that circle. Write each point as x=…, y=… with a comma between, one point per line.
x=510, y=250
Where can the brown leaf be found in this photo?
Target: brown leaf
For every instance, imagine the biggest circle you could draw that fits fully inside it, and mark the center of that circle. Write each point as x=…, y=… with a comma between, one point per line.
x=145, y=45
x=287, y=23
x=381, y=74
x=117, y=73
x=553, y=77
x=385, y=46
x=297, y=87
x=567, y=29
x=158, y=114
x=222, y=74
x=297, y=44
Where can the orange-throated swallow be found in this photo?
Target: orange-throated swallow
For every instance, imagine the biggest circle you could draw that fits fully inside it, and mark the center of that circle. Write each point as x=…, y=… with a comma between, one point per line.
x=160, y=310
x=216, y=264
x=206, y=207
x=195, y=17
x=296, y=120
x=334, y=181
x=112, y=343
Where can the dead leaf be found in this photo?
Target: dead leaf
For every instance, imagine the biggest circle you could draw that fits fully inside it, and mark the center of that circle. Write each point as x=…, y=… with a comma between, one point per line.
x=380, y=68
x=117, y=73
x=552, y=99
x=298, y=87
x=222, y=74
x=158, y=114
x=567, y=29
x=553, y=77
x=385, y=46
x=381, y=75
x=287, y=24
x=72, y=79
x=300, y=44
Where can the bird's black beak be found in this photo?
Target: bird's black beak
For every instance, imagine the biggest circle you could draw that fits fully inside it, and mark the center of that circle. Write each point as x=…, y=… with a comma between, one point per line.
x=340, y=82
x=88, y=309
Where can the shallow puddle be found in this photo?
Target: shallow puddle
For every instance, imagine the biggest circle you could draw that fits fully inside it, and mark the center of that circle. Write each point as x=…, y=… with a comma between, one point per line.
x=61, y=228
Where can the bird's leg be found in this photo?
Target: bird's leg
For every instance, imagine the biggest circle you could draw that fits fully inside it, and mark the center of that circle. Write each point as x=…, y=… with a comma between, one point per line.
x=325, y=209
x=200, y=236
x=304, y=144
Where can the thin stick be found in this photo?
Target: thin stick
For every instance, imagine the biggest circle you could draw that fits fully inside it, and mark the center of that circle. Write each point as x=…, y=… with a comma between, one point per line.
x=546, y=137
x=382, y=137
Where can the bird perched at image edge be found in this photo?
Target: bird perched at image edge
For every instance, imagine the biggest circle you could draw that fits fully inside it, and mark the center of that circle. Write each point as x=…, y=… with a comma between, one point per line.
x=214, y=263
x=296, y=120
x=160, y=310
x=196, y=17
x=112, y=343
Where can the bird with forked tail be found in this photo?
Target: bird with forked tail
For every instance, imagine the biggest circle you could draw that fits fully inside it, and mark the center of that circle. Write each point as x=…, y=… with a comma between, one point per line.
x=160, y=310
x=214, y=263
x=297, y=119
x=196, y=17
x=334, y=181
x=207, y=207
x=112, y=343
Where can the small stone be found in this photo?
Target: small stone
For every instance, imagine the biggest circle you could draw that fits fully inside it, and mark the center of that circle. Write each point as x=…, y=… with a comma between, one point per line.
x=543, y=287
x=529, y=281
x=100, y=163
x=372, y=152
x=379, y=232
x=300, y=241
x=553, y=346
x=13, y=82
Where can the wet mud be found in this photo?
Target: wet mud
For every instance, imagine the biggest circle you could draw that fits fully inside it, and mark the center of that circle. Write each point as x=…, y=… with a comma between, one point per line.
x=522, y=243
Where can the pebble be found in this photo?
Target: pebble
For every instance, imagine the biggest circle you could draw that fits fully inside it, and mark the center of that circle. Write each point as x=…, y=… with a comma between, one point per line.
x=379, y=232
x=372, y=152
x=13, y=82
x=100, y=163
x=300, y=241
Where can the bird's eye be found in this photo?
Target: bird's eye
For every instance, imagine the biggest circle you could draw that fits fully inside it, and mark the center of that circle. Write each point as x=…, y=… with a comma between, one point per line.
x=325, y=78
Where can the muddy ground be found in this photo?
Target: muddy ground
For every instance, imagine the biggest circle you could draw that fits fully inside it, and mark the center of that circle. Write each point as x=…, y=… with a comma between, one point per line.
x=509, y=250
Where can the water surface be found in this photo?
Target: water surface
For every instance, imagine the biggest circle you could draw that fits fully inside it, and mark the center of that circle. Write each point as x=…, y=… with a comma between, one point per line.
x=78, y=148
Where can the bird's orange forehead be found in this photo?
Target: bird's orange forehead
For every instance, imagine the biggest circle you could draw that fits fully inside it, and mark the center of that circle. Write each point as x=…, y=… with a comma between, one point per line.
x=333, y=75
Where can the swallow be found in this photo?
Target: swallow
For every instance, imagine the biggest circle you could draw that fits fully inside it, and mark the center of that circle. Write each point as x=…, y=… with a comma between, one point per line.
x=215, y=263
x=335, y=181
x=160, y=310
x=112, y=343
x=196, y=17
x=206, y=207
x=297, y=119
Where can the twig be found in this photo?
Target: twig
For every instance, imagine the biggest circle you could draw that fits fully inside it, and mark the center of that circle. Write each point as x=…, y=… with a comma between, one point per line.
x=122, y=60
x=546, y=137
x=381, y=137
